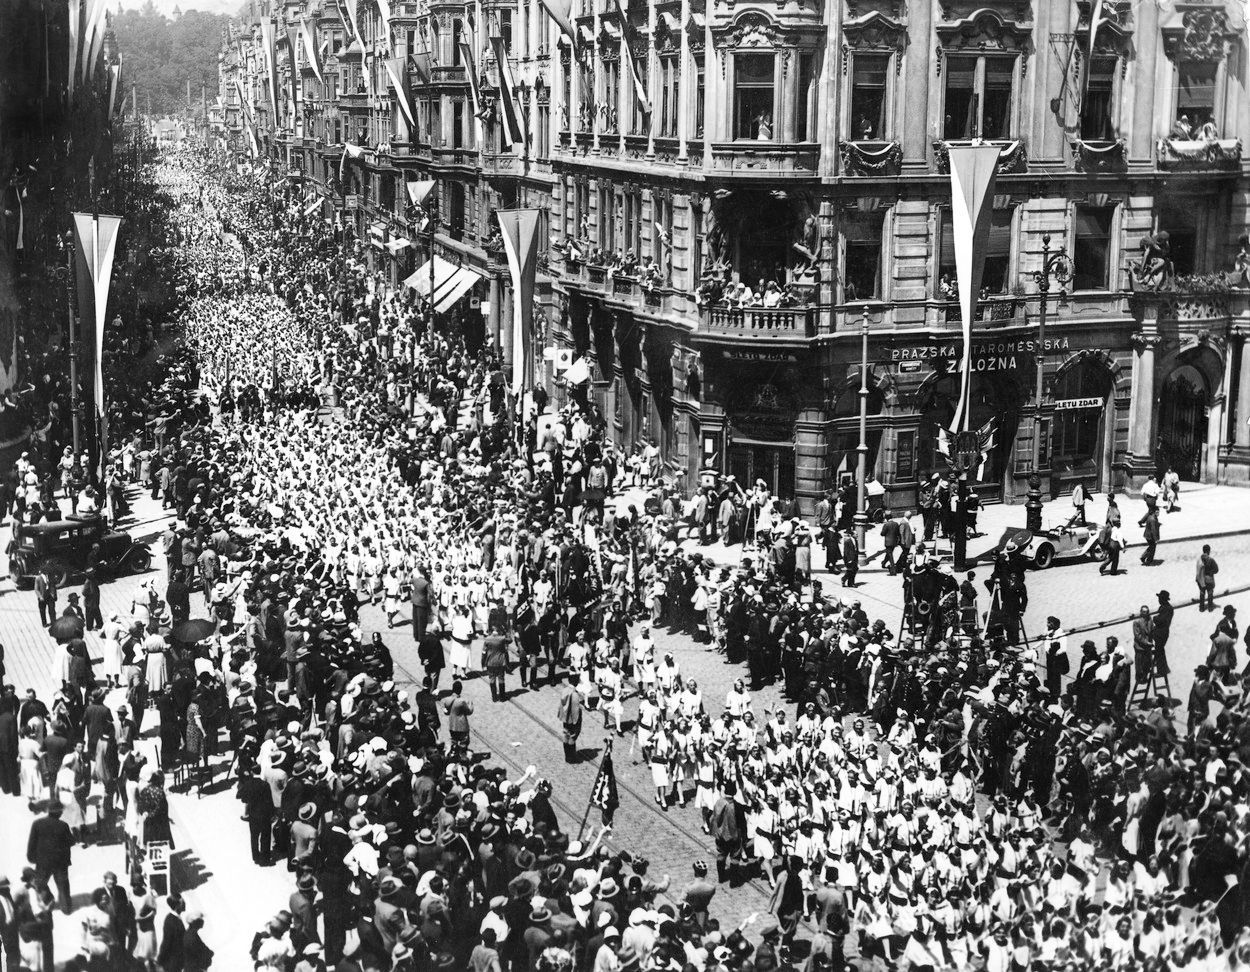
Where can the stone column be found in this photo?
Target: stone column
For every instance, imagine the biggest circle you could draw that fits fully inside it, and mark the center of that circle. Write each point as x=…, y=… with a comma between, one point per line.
x=1241, y=425
x=1140, y=458
x=493, y=316
x=505, y=324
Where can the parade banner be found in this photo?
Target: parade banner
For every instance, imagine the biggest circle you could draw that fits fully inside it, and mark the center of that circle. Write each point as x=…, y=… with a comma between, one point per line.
x=511, y=129
x=972, y=193
x=520, y=243
x=96, y=241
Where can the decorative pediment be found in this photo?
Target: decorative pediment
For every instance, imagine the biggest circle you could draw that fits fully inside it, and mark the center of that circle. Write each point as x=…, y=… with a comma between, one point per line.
x=749, y=29
x=1203, y=36
x=875, y=31
x=986, y=30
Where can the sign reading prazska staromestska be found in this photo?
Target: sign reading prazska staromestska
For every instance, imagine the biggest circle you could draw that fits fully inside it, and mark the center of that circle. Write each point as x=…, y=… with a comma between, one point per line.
x=988, y=354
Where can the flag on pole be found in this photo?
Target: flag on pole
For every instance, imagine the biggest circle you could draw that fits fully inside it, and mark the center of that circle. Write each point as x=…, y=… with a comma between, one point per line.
x=292, y=44
x=972, y=191
x=520, y=242
x=603, y=793
x=96, y=238
x=630, y=40
x=395, y=71
x=561, y=12
x=75, y=15
x=91, y=12
x=21, y=218
x=253, y=142
x=577, y=372
x=115, y=81
x=512, y=129
x=310, y=49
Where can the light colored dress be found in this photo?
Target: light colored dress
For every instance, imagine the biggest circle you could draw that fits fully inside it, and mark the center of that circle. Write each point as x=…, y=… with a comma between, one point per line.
x=29, y=756
x=157, y=670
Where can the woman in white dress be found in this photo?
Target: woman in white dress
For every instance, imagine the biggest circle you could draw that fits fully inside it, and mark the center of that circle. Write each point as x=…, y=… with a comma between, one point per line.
x=157, y=666
x=461, y=636
x=111, y=643
x=29, y=761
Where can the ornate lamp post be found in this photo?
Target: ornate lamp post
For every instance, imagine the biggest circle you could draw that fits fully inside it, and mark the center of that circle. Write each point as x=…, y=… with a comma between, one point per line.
x=1057, y=265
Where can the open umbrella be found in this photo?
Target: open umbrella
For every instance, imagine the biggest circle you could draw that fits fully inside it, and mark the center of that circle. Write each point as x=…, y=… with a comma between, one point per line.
x=193, y=630
x=65, y=627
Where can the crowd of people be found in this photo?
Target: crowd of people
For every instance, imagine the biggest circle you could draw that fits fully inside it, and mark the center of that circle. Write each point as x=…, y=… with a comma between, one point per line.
x=935, y=798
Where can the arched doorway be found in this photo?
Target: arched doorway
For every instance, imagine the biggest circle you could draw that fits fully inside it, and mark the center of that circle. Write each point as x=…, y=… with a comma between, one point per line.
x=992, y=395
x=1083, y=412
x=1183, y=422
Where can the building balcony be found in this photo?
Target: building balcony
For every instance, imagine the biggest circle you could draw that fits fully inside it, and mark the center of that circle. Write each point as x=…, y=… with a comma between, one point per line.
x=867, y=157
x=1190, y=155
x=448, y=74
x=1012, y=156
x=764, y=160
x=1098, y=155
x=500, y=164
x=455, y=157
x=768, y=323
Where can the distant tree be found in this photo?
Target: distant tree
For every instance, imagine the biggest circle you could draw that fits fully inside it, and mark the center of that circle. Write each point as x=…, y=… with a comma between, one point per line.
x=161, y=54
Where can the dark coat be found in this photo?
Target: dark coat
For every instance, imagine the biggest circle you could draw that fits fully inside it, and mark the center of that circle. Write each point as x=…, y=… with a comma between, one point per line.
x=50, y=843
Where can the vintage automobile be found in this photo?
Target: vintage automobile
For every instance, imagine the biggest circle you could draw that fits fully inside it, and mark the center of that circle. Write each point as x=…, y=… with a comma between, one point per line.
x=65, y=546
x=1069, y=541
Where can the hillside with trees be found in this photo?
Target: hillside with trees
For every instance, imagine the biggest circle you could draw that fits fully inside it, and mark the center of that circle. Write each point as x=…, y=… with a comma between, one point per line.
x=161, y=53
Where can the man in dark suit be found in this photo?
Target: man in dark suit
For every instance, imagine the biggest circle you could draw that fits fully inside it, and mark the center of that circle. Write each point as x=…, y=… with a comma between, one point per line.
x=45, y=593
x=49, y=849
x=121, y=910
x=420, y=604
x=178, y=597
x=890, y=538
x=171, y=956
x=570, y=715
x=8, y=741
x=257, y=801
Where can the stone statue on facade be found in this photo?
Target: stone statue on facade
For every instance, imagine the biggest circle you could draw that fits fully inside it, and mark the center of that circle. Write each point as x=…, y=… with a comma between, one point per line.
x=808, y=247
x=1153, y=270
x=1240, y=276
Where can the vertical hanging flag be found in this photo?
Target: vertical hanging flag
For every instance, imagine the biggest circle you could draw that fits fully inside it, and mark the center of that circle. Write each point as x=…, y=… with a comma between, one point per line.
x=96, y=238
x=972, y=192
x=97, y=43
x=512, y=129
x=253, y=142
x=395, y=71
x=1097, y=17
x=356, y=152
x=75, y=15
x=520, y=242
x=630, y=40
x=292, y=43
x=470, y=72
x=90, y=10
x=561, y=12
x=21, y=218
x=421, y=62
x=384, y=9
x=352, y=20
x=310, y=49
x=419, y=190
x=271, y=82
x=115, y=81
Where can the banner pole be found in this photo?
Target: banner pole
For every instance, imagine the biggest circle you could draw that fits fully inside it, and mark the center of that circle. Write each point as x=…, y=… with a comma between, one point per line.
x=590, y=802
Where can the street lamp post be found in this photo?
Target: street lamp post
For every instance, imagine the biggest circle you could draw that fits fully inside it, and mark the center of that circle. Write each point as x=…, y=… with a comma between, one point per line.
x=861, y=472
x=1057, y=265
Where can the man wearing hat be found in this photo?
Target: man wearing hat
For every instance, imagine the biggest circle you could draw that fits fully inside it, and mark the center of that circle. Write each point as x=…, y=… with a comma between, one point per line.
x=1162, y=631
x=569, y=712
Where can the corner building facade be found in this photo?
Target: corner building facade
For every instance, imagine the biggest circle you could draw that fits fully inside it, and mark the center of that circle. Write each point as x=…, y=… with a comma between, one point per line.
x=805, y=144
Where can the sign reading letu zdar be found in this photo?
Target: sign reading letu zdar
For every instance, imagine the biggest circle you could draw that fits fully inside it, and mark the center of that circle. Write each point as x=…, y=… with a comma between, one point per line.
x=972, y=189
x=96, y=242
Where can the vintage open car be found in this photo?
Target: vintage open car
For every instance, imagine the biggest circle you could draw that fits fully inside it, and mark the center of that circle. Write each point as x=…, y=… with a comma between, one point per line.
x=66, y=547
x=1068, y=541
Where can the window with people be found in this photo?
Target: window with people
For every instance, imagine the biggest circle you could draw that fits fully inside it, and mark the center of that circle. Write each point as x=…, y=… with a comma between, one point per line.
x=869, y=75
x=994, y=277
x=979, y=96
x=754, y=96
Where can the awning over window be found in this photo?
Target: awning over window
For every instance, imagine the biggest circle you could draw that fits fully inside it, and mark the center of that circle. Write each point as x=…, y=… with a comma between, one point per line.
x=377, y=234
x=587, y=35
x=397, y=244
x=450, y=282
x=669, y=20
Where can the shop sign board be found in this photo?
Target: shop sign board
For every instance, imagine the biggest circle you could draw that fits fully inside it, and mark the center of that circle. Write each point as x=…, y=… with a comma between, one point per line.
x=1065, y=404
x=751, y=354
x=988, y=354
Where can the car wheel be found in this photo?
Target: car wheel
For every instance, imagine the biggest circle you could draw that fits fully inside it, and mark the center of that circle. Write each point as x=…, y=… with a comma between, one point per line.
x=1044, y=557
x=140, y=561
x=57, y=572
x=17, y=571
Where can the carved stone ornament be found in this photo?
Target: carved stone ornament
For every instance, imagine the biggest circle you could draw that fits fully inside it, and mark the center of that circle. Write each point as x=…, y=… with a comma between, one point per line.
x=1013, y=157
x=1143, y=341
x=750, y=29
x=875, y=31
x=986, y=30
x=1202, y=37
x=870, y=158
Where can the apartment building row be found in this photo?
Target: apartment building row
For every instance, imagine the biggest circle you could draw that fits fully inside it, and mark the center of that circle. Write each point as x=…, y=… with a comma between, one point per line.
x=684, y=151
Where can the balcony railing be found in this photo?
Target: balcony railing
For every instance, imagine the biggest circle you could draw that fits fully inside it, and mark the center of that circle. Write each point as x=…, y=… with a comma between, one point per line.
x=783, y=322
x=765, y=159
x=1191, y=154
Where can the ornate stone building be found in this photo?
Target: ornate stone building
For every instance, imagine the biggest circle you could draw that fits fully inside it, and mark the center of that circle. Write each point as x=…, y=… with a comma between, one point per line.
x=683, y=149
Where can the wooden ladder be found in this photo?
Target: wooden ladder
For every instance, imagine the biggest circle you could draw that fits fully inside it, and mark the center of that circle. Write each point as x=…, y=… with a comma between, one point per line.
x=1143, y=690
